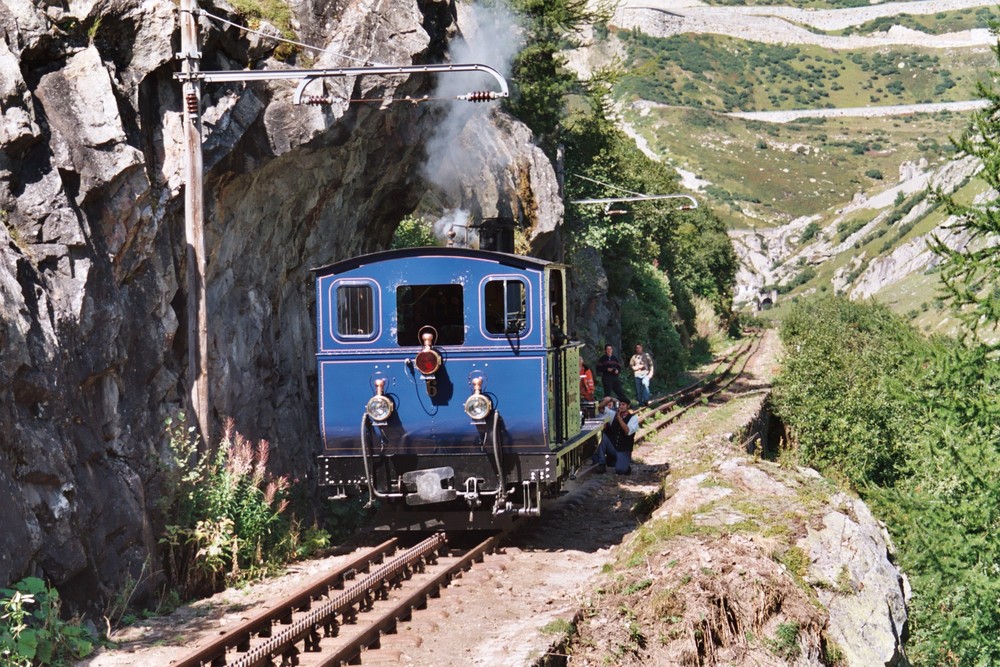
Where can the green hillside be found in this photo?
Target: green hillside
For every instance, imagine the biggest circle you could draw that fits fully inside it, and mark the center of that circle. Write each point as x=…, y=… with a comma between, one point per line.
x=769, y=173
x=726, y=74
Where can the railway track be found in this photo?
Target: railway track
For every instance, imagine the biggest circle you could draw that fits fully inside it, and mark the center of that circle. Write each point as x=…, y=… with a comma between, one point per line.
x=665, y=410
x=335, y=620
x=342, y=616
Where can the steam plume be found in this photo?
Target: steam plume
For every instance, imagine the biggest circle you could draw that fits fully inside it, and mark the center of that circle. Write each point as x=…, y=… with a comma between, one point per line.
x=490, y=36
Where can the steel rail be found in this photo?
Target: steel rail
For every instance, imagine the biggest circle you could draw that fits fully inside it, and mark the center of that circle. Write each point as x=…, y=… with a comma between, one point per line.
x=386, y=622
x=306, y=629
x=261, y=625
x=668, y=400
x=704, y=389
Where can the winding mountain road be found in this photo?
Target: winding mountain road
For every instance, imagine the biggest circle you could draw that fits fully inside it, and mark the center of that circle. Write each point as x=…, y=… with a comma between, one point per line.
x=784, y=25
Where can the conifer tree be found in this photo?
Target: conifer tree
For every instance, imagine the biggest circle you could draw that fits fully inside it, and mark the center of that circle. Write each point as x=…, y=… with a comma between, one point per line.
x=948, y=514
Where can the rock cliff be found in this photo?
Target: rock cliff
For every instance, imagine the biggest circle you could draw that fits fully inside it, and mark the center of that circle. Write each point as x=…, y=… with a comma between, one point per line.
x=93, y=337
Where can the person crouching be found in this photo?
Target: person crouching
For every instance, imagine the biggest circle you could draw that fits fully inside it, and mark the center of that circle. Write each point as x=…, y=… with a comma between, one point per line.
x=621, y=433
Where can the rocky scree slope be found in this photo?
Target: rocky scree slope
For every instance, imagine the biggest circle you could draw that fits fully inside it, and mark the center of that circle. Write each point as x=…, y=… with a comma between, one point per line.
x=92, y=304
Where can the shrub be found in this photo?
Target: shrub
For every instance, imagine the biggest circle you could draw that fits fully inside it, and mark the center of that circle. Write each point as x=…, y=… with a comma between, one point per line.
x=413, y=233
x=809, y=233
x=31, y=631
x=647, y=319
x=843, y=389
x=226, y=519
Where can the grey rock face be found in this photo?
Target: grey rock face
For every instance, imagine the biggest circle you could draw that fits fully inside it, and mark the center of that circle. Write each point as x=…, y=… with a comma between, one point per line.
x=852, y=572
x=93, y=337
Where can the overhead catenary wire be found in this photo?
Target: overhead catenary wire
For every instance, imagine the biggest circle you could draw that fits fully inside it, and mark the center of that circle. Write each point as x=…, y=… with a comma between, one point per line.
x=608, y=185
x=634, y=196
x=307, y=76
x=277, y=38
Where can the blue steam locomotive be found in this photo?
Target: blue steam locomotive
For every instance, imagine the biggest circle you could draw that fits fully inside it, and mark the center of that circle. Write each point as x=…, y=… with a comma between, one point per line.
x=449, y=392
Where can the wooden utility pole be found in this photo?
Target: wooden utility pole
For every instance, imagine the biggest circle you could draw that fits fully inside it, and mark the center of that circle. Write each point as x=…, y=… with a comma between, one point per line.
x=194, y=216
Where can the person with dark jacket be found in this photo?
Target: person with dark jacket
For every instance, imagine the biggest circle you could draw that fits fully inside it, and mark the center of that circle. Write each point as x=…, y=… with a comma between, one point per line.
x=609, y=367
x=621, y=432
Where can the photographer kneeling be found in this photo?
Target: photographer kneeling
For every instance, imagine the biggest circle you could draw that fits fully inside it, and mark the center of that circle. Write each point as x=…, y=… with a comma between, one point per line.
x=618, y=437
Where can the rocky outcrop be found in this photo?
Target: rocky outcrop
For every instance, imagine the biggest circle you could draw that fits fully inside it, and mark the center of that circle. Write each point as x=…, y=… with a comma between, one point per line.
x=786, y=541
x=92, y=302
x=775, y=256
x=851, y=568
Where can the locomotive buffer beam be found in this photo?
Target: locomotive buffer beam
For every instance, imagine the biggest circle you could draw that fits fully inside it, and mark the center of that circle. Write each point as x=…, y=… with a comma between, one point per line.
x=428, y=486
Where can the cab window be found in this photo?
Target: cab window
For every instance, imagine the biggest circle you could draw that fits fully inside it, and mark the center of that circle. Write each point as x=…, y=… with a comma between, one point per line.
x=438, y=306
x=505, y=307
x=355, y=310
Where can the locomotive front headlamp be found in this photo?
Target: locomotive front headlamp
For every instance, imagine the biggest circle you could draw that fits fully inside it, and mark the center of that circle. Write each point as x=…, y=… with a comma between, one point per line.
x=478, y=405
x=428, y=360
x=379, y=406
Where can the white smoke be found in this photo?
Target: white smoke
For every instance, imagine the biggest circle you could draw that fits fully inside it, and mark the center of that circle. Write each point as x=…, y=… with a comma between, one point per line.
x=458, y=222
x=489, y=36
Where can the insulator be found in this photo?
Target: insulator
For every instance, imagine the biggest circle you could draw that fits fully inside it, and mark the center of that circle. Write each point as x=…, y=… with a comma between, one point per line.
x=191, y=100
x=315, y=100
x=479, y=96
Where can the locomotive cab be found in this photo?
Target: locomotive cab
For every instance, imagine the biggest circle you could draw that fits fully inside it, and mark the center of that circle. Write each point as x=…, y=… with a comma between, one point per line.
x=448, y=387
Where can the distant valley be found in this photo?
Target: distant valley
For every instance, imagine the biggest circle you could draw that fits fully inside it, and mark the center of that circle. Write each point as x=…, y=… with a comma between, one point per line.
x=822, y=201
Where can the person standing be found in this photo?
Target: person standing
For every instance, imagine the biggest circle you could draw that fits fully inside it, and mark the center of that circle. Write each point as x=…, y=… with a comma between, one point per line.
x=609, y=367
x=586, y=383
x=642, y=368
x=586, y=391
x=621, y=432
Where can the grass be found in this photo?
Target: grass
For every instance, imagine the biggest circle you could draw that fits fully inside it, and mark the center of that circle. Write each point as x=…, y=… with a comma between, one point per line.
x=785, y=643
x=770, y=173
x=933, y=24
x=802, y=4
x=809, y=166
x=559, y=627
x=728, y=74
x=916, y=296
x=652, y=534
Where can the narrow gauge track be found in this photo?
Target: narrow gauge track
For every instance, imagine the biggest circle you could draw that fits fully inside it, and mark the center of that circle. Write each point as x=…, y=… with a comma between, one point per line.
x=333, y=621
x=665, y=410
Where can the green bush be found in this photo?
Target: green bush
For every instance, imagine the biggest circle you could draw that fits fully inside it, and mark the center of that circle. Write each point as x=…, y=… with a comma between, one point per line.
x=31, y=630
x=226, y=515
x=646, y=319
x=944, y=517
x=413, y=233
x=842, y=390
x=810, y=232
x=913, y=425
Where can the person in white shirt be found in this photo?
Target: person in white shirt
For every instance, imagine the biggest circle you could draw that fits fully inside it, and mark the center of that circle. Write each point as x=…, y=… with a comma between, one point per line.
x=642, y=369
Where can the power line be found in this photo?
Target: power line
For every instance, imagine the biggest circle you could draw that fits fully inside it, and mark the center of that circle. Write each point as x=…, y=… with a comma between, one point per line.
x=286, y=41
